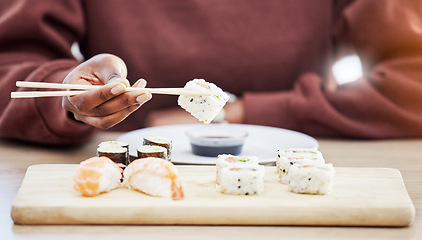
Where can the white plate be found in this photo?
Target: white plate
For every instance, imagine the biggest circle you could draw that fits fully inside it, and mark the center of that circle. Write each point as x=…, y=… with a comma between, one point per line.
x=262, y=142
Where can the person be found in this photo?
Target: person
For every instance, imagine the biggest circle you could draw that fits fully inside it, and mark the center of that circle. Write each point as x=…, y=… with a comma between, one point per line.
x=274, y=56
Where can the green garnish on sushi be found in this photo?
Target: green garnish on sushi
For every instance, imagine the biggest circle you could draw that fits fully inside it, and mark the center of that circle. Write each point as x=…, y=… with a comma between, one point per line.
x=244, y=160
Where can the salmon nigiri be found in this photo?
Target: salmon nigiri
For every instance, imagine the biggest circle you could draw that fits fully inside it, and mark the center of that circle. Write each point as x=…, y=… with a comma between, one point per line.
x=97, y=175
x=155, y=177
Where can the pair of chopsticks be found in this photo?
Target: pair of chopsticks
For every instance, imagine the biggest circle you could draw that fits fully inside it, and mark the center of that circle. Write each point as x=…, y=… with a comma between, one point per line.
x=84, y=88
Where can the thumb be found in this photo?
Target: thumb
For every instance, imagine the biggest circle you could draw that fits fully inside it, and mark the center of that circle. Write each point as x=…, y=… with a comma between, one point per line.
x=111, y=68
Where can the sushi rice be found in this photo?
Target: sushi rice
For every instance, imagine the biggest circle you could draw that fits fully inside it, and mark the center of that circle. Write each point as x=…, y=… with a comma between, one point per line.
x=204, y=108
x=228, y=160
x=311, y=179
x=97, y=175
x=155, y=177
x=286, y=158
x=245, y=180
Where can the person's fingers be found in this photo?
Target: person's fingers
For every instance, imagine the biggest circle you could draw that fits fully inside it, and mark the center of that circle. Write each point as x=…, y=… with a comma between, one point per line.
x=85, y=102
x=121, y=80
x=110, y=104
x=141, y=83
x=98, y=70
x=110, y=68
x=107, y=121
x=119, y=103
x=101, y=69
x=143, y=96
x=92, y=105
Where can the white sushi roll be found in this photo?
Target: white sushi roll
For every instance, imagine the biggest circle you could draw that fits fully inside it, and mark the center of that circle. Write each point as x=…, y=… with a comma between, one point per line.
x=300, y=152
x=204, y=108
x=311, y=179
x=248, y=180
x=228, y=160
x=296, y=156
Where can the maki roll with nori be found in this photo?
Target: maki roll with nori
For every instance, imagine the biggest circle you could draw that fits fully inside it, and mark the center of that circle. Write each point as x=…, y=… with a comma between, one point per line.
x=145, y=151
x=116, y=151
x=159, y=141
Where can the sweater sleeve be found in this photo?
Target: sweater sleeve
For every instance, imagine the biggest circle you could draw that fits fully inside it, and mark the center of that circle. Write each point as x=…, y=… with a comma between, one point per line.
x=35, y=43
x=385, y=103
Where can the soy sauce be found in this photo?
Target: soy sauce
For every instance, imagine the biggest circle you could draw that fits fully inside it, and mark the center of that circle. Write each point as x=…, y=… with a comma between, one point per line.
x=214, y=151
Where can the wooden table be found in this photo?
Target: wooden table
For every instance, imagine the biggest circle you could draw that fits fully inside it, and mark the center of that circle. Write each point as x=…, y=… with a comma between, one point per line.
x=405, y=155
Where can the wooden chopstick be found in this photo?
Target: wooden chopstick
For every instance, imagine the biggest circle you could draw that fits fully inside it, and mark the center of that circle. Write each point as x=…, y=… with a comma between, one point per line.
x=56, y=85
x=30, y=94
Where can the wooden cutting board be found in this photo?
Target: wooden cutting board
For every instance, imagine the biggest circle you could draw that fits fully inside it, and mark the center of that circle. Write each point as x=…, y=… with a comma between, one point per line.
x=360, y=197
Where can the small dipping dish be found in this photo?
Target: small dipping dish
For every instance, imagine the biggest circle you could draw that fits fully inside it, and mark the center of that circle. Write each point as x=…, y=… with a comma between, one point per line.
x=214, y=139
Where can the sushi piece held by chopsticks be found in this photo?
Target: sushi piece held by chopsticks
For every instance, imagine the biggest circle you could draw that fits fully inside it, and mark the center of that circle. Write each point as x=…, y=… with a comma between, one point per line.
x=202, y=99
x=203, y=107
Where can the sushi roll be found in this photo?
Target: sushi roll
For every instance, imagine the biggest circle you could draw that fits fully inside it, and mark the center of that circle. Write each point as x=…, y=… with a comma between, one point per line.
x=204, y=108
x=97, y=175
x=296, y=156
x=299, y=152
x=155, y=177
x=311, y=179
x=225, y=160
x=116, y=151
x=145, y=151
x=247, y=180
x=159, y=141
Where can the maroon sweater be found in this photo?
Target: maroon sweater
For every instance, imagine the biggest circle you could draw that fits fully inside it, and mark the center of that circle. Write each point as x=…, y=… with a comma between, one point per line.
x=275, y=54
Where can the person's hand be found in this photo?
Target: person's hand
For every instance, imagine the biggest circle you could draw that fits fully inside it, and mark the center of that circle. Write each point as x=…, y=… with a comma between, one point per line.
x=109, y=105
